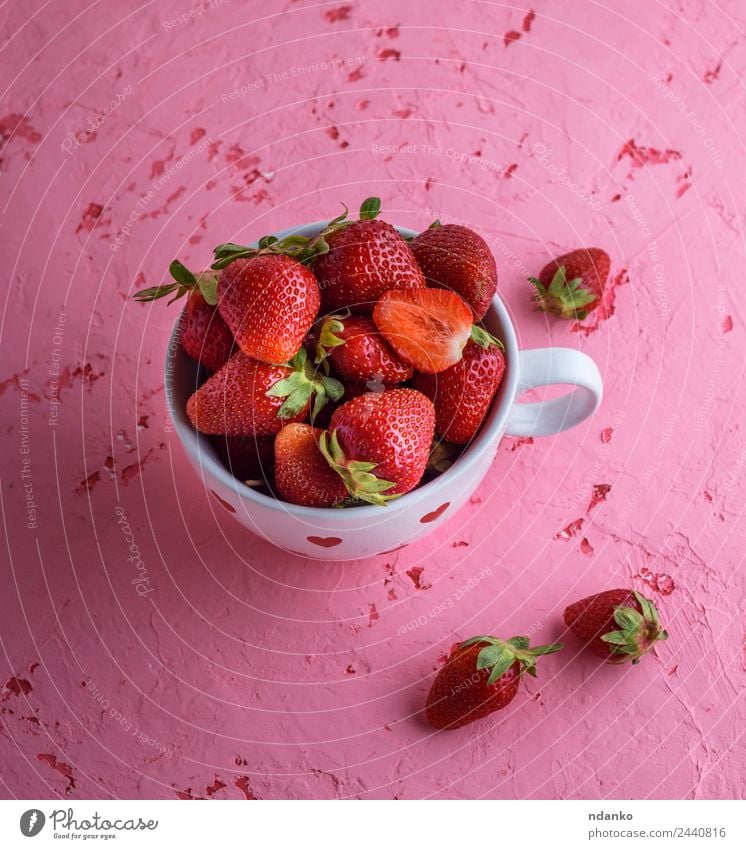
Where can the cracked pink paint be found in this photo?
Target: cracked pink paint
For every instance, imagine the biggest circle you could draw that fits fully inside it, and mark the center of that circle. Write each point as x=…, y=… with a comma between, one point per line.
x=251, y=673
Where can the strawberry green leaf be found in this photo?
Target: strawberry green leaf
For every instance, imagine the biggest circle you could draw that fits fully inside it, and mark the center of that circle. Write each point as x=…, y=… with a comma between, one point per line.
x=208, y=286
x=370, y=208
x=328, y=338
x=356, y=475
x=435, y=224
x=484, y=339
x=563, y=297
x=155, y=292
x=181, y=273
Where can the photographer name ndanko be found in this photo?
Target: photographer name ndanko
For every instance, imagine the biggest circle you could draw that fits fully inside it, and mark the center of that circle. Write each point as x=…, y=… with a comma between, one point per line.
x=67, y=821
x=616, y=815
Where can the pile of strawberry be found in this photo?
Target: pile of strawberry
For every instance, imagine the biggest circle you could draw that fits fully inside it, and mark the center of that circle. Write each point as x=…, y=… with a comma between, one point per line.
x=336, y=362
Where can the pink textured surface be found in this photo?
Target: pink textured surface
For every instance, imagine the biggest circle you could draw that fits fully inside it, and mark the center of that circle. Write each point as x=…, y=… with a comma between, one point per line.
x=233, y=670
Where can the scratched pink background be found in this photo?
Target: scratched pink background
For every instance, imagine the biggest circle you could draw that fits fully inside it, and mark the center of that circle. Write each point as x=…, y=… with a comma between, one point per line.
x=131, y=136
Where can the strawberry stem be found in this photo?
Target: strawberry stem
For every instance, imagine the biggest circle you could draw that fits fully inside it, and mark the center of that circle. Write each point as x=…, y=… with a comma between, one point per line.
x=499, y=655
x=303, y=248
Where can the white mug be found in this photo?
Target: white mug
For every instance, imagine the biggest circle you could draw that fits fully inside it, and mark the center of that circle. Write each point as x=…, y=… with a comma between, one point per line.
x=358, y=532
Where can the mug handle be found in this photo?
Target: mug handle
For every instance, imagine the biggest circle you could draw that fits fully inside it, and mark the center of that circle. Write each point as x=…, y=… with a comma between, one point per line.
x=547, y=366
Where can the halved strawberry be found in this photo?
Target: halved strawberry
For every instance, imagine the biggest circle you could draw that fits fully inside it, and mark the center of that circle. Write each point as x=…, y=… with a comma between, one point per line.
x=302, y=475
x=357, y=351
x=427, y=328
x=269, y=302
x=463, y=393
x=456, y=258
x=249, y=398
x=379, y=443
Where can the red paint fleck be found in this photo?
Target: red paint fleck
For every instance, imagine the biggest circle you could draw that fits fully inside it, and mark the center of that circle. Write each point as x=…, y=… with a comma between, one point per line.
x=616, y=198
x=443, y=657
x=683, y=188
x=350, y=670
x=355, y=76
x=389, y=53
x=213, y=788
x=727, y=325
x=341, y=13
x=460, y=544
x=712, y=74
x=16, y=687
x=242, y=782
x=570, y=530
x=60, y=766
x=17, y=381
x=17, y=126
x=373, y=616
x=362, y=105
x=510, y=37
x=392, y=32
x=403, y=113
x=515, y=443
x=606, y=307
x=642, y=156
x=90, y=217
x=392, y=594
x=415, y=574
x=196, y=135
x=658, y=582
x=508, y=172
x=89, y=482
x=600, y=491
x=475, y=499
x=528, y=20
x=134, y=469
x=158, y=166
x=142, y=422
x=186, y=794
x=585, y=547
x=607, y=434
x=707, y=496
x=673, y=670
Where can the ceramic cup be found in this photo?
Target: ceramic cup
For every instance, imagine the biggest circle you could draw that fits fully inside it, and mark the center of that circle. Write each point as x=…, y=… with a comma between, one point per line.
x=359, y=532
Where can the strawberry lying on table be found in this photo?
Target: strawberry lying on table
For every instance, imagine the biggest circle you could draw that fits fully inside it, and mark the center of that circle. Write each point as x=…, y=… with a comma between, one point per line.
x=336, y=360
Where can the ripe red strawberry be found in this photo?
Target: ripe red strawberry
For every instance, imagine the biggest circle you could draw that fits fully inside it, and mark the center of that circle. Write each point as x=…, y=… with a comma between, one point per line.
x=302, y=475
x=365, y=259
x=379, y=443
x=269, y=302
x=357, y=351
x=427, y=328
x=480, y=676
x=456, y=258
x=250, y=398
x=248, y=458
x=204, y=334
x=618, y=625
x=571, y=285
x=463, y=393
